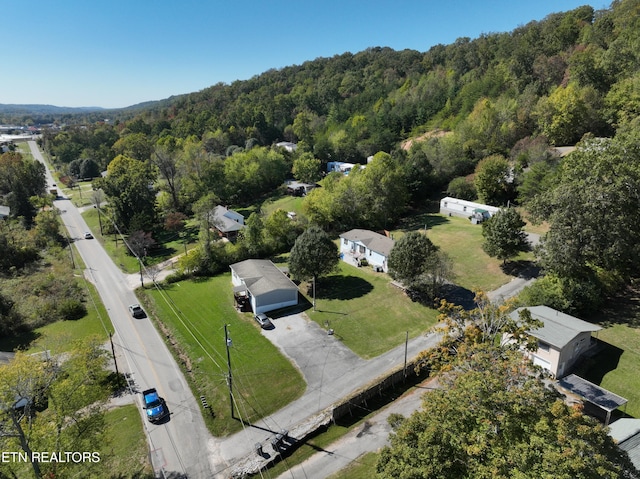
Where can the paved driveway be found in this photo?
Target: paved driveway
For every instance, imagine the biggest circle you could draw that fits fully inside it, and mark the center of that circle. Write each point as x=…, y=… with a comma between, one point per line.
x=332, y=372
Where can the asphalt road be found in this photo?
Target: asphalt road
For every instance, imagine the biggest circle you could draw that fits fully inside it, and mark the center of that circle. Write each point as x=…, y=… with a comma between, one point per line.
x=180, y=446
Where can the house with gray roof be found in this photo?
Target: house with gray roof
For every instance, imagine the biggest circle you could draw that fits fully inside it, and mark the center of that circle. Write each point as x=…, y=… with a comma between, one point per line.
x=227, y=222
x=264, y=285
x=626, y=433
x=562, y=339
x=357, y=245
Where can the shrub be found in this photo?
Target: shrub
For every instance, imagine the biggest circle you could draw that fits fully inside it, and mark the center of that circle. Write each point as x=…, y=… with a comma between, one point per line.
x=72, y=309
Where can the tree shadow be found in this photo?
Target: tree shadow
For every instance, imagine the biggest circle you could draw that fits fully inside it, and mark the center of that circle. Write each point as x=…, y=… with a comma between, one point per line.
x=623, y=308
x=422, y=220
x=455, y=294
x=18, y=341
x=342, y=287
x=604, y=359
x=521, y=269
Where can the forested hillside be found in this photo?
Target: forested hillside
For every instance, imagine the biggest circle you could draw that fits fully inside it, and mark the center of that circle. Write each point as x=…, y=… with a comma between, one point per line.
x=562, y=77
x=475, y=118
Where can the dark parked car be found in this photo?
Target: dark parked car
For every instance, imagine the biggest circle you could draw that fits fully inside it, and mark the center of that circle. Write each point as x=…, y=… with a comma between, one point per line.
x=137, y=311
x=264, y=321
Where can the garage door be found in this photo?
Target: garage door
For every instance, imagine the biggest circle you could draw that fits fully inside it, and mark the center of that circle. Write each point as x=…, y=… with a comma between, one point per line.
x=541, y=362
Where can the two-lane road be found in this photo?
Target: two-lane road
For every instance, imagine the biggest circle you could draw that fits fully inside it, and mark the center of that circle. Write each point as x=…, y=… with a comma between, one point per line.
x=178, y=446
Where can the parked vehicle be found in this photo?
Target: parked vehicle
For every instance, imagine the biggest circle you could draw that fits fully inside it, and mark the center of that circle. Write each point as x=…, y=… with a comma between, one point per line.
x=264, y=321
x=154, y=405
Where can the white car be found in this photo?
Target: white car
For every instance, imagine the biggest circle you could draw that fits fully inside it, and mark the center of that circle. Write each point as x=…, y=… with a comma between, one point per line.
x=88, y=235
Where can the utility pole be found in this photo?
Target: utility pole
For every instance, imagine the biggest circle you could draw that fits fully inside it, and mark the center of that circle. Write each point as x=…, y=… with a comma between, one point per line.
x=314, y=292
x=228, y=342
x=113, y=352
x=406, y=344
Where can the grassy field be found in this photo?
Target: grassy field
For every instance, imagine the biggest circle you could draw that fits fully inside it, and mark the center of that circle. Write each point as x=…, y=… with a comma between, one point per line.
x=57, y=337
x=286, y=203
x=462, y=241
x=366, y=312
x=125, y=455
x=616, y=367
x=362, y=468
x=194, y=314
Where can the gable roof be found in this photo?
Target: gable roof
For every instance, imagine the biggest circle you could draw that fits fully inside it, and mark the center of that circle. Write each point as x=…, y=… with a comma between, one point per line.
x=558, y=328
x=374, y=241
x=262, y=276
x=626, y=433
x=223, y=219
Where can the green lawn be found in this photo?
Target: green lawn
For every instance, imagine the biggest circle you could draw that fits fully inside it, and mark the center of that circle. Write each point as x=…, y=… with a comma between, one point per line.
x=616, y=368
x=57, y=337
x=366, y=312
x=195, y=313
x=286, y=203
x=363, y=467
x=462, y=241
x=125, y=454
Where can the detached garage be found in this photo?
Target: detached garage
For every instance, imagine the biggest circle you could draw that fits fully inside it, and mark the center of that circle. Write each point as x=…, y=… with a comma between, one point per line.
x=265, y=286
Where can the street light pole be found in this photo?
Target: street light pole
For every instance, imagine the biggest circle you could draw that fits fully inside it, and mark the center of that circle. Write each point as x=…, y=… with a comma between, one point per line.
x=228, y=342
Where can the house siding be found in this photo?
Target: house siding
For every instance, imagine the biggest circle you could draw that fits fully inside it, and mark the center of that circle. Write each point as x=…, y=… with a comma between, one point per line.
x=355, y=250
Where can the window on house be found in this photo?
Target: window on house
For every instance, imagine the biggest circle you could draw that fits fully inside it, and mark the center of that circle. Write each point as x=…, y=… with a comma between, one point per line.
x=543, y=346
x=345, y=241
x=362, y=249
x=464, y=208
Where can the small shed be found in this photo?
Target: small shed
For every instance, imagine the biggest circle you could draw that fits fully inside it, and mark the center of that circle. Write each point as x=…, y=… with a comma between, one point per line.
x=593, y=394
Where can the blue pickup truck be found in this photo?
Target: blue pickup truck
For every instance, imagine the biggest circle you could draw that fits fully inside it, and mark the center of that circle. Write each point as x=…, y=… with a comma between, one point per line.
x=154, y=405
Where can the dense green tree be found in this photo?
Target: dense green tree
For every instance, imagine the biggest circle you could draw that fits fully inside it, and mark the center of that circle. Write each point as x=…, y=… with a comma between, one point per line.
x=62, y=407
x=252, y=235
x=165, y=158
x=504, y=236
x=570, y=112
x=462, y=188
x=493, y=180
x=307, y=168
x=20, y=179
x=250, y=174
x=134, y=145
x=131, y=196
x=593, y=210
x=410, y=260
x=493, y=418
x=381, y=190
x=313, y=255
x=279, y=231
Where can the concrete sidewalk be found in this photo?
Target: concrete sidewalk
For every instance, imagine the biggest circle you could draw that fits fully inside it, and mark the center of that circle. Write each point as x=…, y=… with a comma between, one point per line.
x=371, y=436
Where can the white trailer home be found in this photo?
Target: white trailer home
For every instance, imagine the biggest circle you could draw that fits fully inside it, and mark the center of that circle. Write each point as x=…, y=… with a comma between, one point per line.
x=476, y=212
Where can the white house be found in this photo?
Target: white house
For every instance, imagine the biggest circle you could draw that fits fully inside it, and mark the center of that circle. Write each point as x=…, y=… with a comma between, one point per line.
x=227, y=222
x=562, y=339
x=342, y=167
x=265, y=286
x=467, y=209
x=287, y=145
x=358, y=245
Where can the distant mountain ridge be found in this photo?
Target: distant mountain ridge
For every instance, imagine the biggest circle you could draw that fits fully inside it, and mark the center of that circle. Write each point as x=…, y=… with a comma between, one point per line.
x=45, y=109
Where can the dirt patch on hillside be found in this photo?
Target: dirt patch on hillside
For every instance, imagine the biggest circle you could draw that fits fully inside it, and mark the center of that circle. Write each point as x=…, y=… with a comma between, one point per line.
x=408, y=143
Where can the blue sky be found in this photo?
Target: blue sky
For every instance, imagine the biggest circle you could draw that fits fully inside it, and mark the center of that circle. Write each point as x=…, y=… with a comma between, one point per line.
x=116, y=53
